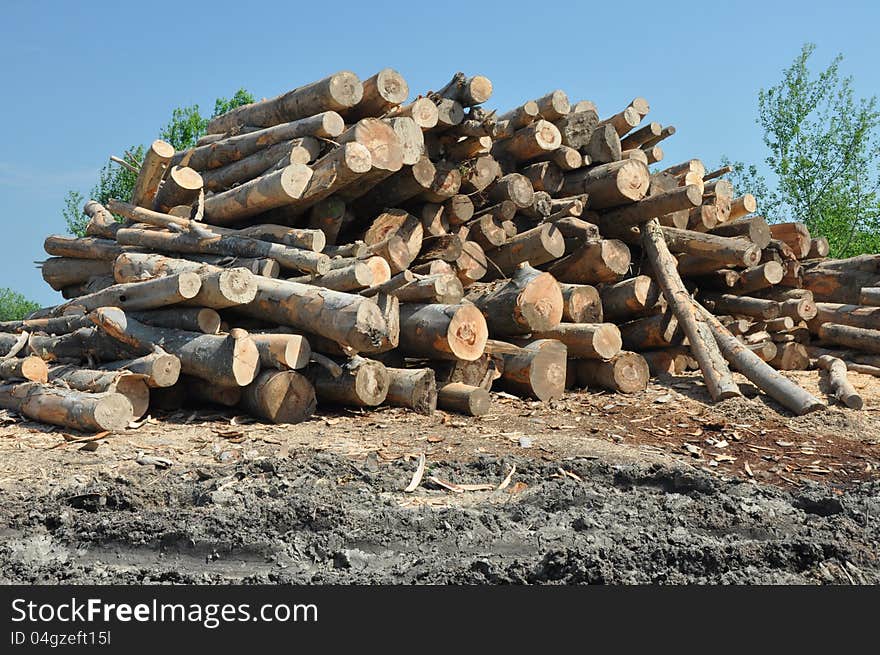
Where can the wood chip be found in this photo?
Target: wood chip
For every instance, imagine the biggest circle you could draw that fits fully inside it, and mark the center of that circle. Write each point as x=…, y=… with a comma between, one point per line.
x=417, y=476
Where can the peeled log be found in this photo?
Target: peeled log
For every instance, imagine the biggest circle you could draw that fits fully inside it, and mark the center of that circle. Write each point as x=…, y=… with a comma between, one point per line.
x=338, y=92
x=442, y=331
x=627, y=372
x=536, y=370
x=585, y=340
x=464, y=399
x=229, y=360
x=362, y=383
x=91, y=412
x=24, y=368
x=280, y=397
x=414, y=388
x=609, y=185
x=580, y=303
x=530, y=300
x=840, y=386
x=156, y=161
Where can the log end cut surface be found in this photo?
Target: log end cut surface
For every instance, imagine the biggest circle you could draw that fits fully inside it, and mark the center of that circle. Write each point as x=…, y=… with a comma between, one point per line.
x=467, y=333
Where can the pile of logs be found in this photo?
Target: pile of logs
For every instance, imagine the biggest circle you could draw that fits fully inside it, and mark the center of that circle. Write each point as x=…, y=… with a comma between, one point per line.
x=341, y=244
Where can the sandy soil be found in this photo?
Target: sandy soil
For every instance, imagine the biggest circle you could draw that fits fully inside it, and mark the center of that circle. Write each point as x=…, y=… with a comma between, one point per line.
x=656, y=487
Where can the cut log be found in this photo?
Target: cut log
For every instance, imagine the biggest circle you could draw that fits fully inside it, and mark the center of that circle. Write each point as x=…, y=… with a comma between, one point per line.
x=472, y=265
x=800, y=309
x=282, y=351
x=150, y=294
x=529, y=301
x=468, y=91
x=529, y=142
x=67, y=408
x=280, y=397
x=354, y=277
x=537, y=246
x=423, y=111
x=830, y=285
x=230, y=360
x=657, y=331
x=152, y=170
x=442, y=331
x=606, y=260
x=580, y=303
x=443, y=288
x=576, y=129
x=544, y=176
x=181, y=187
x=629, y=298
x=287, y=257
x=254, y=165
x=160, y=368
x=840, y=386
x=869, y=296
x=726, y=303
x=795, y=235
x=653, y=206
x=340, y=91
x=82, y=248
x=775, y=385
x=624, y=121
x=130, y=385
x=626, y=372
x=479, y=173
x=327, y=215
x=362, y=383
x=554, y=105
x=863, y=339
x=29, y=368
x=536, y=370
x=609, y=185
x=585, y=340
x=464, y=399
x=724, y=250
x=449, y=114
x=790, y=357
x=742, y=206
x=260, y=194
x=414, y=388
x=604, y=146
x=521, y=116
x=101, y=222
x=638, y=138
x=192, y=319
x=716, y=375
x=61, y=272
x=819, y=247
x=381, y=93
x=759, y=277
x=515, y=188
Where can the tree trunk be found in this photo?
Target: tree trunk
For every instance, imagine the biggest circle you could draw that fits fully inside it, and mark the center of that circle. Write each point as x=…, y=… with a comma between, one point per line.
x=658, y=331
x=753, y=228
x=641, y=136
x=181, y=187
x=67, y=408
x=537, y=246
x=156, y=162
x=130, y=385
x=362, y=383
x=464, y=399
x=381, y=94
x=580, y=303
x=228, y=360
x=280, y=397
x=442, y=331
x=609, y=185
x=414, y=388
x=585, y=340
x=62, y=272
x=863, y=339
x=258, y=195
x=530, y=300
x=606, y=260
x=723, y=250
x=742, y=306
x=795, y=235
x=653, y=206
x=340, y=91
x=82, y=248
x=29, y=368
x=160, y=368
x=630, y=298
x=536, y=370
x=191, y=319
x=135, y=296
x=840, y=386
x=262, y=161
x=626, y=372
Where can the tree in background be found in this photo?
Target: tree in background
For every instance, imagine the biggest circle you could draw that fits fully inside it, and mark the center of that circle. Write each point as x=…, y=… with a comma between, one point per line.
x=184, y=129
x=14, y=306
x=824, y=151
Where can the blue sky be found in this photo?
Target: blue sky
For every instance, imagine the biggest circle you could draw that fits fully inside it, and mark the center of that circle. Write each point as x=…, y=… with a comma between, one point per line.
x=84, y=80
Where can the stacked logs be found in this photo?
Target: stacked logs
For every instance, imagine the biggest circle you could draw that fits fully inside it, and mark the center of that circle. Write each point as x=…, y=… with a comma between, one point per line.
x=340, y=244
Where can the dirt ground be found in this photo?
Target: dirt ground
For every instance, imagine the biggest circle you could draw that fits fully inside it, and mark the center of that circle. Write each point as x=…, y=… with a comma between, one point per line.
x=660, y=487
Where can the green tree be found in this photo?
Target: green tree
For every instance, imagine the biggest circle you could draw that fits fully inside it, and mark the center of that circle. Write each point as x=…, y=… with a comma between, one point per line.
x=14, y=306
x=184, y=129
x=824, y=152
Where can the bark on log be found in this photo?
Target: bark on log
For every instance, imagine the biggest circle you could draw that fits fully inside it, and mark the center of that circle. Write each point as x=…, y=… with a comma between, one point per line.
x=585, y=340
x=414, y=388
x=135, y=296
x=742, y=306
x=863, y=339
x=230, y=360
x=381, y=93
x=609, y=185
x=657, y=331
x=442, y=331
x=536, y=370
x=156, y=162
x=280, y=397
x=604, y=146
x=192, y=319
x=340, y=91
x=90, y=412
x=724, y=250
x=840, y=385
x=598, y=261
x=362, y=383
x=161, y=369
x=537, y=246
x=62, y=272
x=82, y=248
x=464, y=399
x=638, y=138
x=795, y=235
x=627, y=372
x=530, y=300
x=576, y=129
x=629, y=298
x=130, y=385
x=181, y=187
x=29, y=368
x=580, y=303
x=258, y=195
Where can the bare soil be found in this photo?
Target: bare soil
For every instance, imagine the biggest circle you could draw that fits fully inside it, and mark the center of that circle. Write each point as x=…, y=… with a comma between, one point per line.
x=659, y=487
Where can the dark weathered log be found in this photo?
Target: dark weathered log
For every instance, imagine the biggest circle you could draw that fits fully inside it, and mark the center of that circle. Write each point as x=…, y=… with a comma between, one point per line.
x=604, y=145
x=580, y=303
x=287, y=257
x=626, y=372
x=340, y=91
x=24, y=368
x=440, y=331
x=778, y=387
x=464, y=399
x=414, y=388
x=68, y=408
x=230, y=360
x=362, y=383
x=597, y=261
x=576, y=129
x=609, y=185
x=160, y=368
x=585, y=340
x=280, y=397
x=192, y=319
x=716, y=375
x=530, y=300
x=156, y=161
x=629, y=298
x=131, y=385
x=839, y=385
x=536, y=370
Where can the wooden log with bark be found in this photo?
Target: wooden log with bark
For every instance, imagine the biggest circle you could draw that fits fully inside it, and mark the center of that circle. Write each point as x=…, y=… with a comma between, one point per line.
x=280, y=397
x=536, y=370
x=361, y=382
x=67, y=408
x=464, y=399
x=528, y=301
x=841, y=388
x=414, y=388
x=626, y=372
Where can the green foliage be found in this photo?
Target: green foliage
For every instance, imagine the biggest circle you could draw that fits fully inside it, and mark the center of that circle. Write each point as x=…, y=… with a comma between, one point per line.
x=184, y=129
x=824, y=152
x=14, y=306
